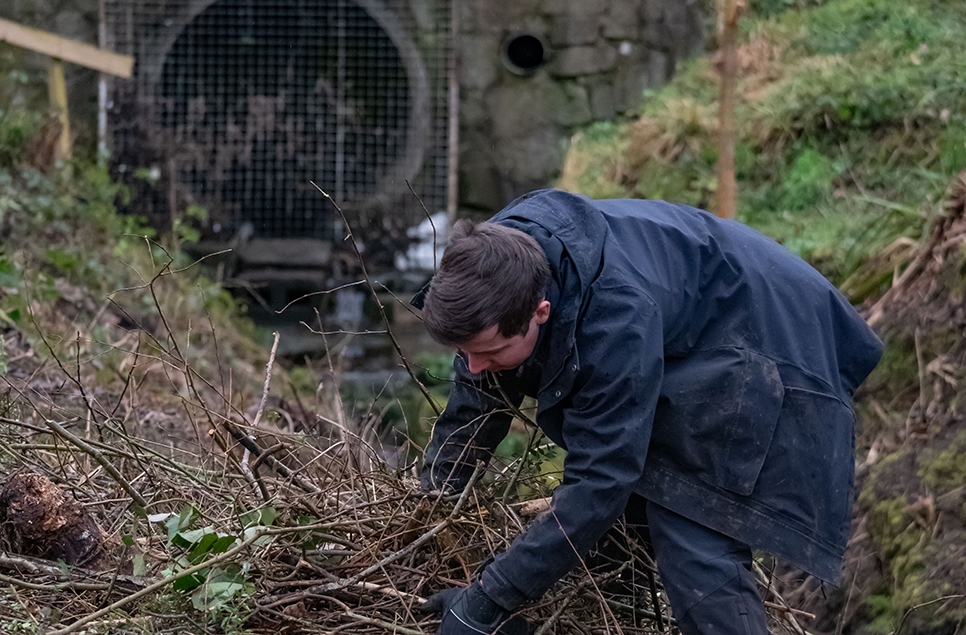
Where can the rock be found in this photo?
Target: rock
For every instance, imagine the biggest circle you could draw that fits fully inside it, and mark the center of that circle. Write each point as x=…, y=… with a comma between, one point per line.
x=621, y=22
x=584, y=60
x=574, y=30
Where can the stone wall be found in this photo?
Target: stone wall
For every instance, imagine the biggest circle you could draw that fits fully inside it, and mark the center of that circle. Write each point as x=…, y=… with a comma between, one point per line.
x=599, y=55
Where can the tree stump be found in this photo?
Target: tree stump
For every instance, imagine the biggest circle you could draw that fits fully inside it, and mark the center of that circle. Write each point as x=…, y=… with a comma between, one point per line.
x=38, y=519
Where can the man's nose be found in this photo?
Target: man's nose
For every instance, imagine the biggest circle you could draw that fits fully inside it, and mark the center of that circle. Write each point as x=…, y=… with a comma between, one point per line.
x=476, y=363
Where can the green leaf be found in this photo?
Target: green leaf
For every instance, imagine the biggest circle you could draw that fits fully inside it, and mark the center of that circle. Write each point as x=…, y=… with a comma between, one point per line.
x=264, y=516
x=222, y=544
x=9, y=275
x=179, y=541
x=181, y=522
x=201, y=548
x=260, y=542
x=172, y=526
x=188, y=516
x=140, y=566
x=251, y=518
x=189, y=582
x=269, y=515
x=11, y=317
x=187, y=539
x=214, y=595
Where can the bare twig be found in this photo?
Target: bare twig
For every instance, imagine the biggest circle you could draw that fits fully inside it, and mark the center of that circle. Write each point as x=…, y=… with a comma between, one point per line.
x=101, y=460
x=945, y=598
x=268, y=380
x=382, y=309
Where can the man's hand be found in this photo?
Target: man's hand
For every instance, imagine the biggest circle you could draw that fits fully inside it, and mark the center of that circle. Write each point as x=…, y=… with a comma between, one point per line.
x=470, y=611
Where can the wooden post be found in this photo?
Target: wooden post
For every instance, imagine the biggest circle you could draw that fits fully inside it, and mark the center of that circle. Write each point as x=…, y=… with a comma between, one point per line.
x=102, y=152
x=727, y=46
x=453, y=134
x=57, y=89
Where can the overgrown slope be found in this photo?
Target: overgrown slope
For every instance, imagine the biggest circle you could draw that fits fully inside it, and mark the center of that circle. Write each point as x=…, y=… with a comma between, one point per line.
x=86, y=289
x=852, y=134
x=852, y=122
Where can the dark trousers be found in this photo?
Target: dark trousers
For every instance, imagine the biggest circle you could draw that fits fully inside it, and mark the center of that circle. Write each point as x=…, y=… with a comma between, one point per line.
x=707, y=576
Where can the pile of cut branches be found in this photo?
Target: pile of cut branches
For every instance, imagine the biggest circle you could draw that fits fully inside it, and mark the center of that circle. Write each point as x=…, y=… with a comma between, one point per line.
x=226, y=523
x=339, y=543
x=152, y=479
x=103, y=533
x=263, y=530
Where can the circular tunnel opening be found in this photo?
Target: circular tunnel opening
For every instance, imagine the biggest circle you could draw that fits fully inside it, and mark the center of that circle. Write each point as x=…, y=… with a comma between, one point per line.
x=524, y=53
x=263, y=99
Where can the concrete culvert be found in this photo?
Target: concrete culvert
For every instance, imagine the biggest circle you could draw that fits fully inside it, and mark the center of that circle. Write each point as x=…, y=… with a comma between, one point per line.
x=277, y=95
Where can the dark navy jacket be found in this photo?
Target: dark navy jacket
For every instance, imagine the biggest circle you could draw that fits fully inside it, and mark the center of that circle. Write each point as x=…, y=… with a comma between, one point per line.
x=687, y=358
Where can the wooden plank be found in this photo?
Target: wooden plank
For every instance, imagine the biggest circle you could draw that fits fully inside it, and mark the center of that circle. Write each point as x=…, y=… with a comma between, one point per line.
x=65, y=49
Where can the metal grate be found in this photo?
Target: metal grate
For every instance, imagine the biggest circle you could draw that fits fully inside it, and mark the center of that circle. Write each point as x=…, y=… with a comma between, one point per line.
x=238, y=105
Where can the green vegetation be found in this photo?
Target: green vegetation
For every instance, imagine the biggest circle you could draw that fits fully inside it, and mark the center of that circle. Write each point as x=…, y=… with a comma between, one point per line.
x=945, y=470
x=852, y=121
x=71, y=265
x=915, y=508
x=217, y=589
x=68, y=260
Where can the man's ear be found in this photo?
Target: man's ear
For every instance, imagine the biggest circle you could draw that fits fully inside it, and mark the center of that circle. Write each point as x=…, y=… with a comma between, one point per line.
x=542, y=312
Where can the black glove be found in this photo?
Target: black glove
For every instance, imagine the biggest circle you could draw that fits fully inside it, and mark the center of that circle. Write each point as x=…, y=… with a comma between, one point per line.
x=444, y=481
x=428, y=485
x=470, y=611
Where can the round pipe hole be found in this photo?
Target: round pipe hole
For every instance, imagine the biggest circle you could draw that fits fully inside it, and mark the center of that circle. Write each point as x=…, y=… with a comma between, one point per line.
x=524, y=53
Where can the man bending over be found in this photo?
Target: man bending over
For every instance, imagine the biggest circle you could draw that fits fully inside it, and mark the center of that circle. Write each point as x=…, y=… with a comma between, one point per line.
x=694, y=371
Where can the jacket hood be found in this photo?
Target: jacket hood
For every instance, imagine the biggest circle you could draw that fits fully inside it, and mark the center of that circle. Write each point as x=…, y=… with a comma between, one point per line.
x=573, y=220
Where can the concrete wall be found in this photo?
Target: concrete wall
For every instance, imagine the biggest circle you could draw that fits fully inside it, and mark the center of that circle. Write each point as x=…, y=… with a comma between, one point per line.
x=600, y=56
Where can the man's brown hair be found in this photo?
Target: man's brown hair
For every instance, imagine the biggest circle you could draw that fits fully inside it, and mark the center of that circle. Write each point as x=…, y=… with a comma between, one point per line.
x=489, y=275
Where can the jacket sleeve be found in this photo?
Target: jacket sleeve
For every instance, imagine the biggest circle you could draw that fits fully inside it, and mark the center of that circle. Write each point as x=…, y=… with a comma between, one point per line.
x=475, y=420
x=607, y=424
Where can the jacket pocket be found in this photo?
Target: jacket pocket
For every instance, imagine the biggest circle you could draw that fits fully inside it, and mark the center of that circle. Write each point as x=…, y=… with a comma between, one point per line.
x=717, y=415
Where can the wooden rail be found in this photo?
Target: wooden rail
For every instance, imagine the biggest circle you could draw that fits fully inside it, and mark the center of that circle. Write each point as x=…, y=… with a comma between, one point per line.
x=60, y=50
x=66, y=49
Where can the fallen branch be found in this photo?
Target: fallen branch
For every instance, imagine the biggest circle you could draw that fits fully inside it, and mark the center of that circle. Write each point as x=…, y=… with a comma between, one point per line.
x=101, y=460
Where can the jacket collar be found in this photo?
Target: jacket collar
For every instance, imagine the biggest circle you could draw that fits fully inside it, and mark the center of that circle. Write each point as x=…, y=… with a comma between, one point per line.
x=573, y=242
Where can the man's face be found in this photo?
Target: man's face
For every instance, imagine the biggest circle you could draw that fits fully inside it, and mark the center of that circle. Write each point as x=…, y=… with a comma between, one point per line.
x=489, y=350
